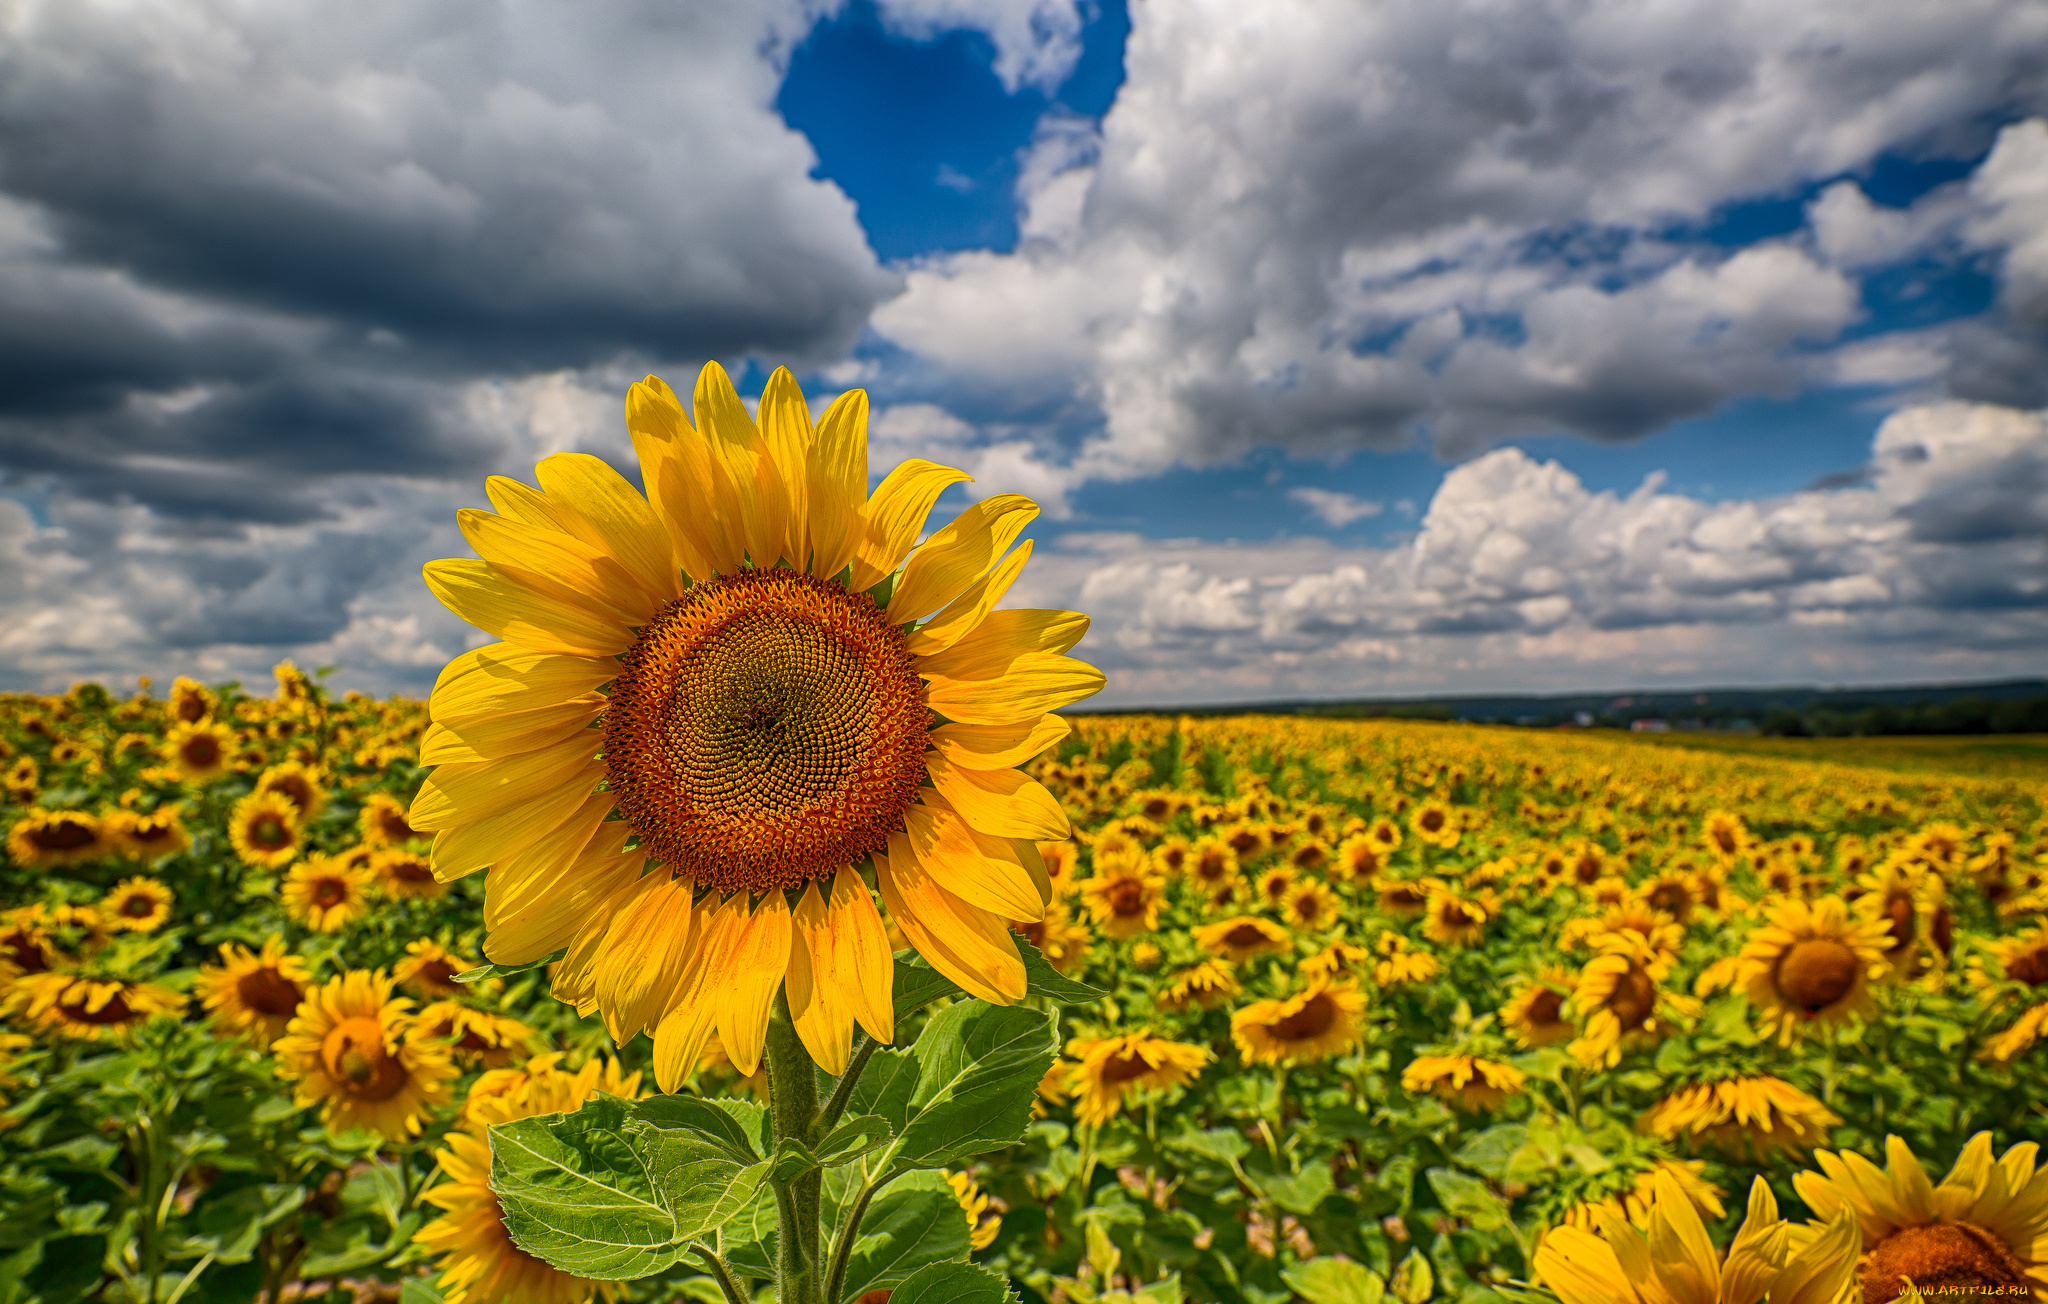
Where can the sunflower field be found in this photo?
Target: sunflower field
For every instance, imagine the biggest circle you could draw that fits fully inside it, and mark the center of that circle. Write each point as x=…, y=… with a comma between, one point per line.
x=1347, y=1011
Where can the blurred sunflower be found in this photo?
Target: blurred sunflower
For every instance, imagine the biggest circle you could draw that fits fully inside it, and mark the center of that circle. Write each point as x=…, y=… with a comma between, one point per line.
x=477, y=1038
x=1211, y=865
x=1339, y=957
x=150, y=837
x=1674, y=894
x=1062, y=941
x=1467, y=1081
x=1311, y=856
x=1810, y=965
x=1753, y=1115
x=1310, y=905
x=1271, y=886
x=1108, y=1068
x=1385, y=835
x=1124, y=896
x=1454, y=920
x=1534, y=1015
x=1208, y=985
x=254, y=993
x=1633, y=1184
x=2021, y=960
x=382, y=822
x=1433, y=822
x=768, y=727
x=200, y=752
x=21, y=780
x=348, y=1050
x=403, y=874
x=1319, y=1022
x=1725, y=835
x=1398, y=966
x=25, y=942
x=264, y=829
x=138, y=905
x=1906, y=895
x=1659, y=931
x=1982, y=1231
x=982, y=1225
x=296, y=783
x=1242, y=938
x=190, y=701
x=1618, y=995
x=1404, y=898
x=1170, y=857
x=325, y=895
x=93, y=1009
x=1358, y=860
x=52, y=839
x=428, y=970
x=1059, y=859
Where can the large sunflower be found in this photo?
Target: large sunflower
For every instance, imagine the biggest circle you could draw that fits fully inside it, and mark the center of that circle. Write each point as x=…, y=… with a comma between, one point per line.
x=1983, y=1231
x=774, y=720
x=1811, y=965
x=351, y=1050
x=254, y=993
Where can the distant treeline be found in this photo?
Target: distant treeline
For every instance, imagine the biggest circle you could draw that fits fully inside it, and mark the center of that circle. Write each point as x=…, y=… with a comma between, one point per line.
x=1965, y=715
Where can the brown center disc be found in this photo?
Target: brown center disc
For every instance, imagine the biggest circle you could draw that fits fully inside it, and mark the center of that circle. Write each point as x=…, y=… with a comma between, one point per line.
x=767, y=729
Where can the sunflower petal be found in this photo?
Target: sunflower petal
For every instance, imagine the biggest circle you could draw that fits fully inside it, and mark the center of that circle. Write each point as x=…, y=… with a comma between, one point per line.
x=964, y=942
x=588, y=574
x=999, y=746
x=1002, y=638
x=1581, y=1268
x=642, y=958
x=837, y=480
x=1035, y=684
x=963, y=613
x=497, y=603
x=895, y=513
x=663, y=439
x=1001, y=803
x=500, y=679
x=743, y=985
x=465, y=794
x=751, y=472
x=1683, y=1256
x=489, y=737
x=603, y=510
x=785, y=428
x=949, y=850
x=958, y=553
x=466, y=848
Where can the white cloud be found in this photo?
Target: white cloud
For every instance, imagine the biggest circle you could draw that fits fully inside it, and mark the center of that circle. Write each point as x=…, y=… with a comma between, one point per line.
x=1338, y=509
x=1037, y=41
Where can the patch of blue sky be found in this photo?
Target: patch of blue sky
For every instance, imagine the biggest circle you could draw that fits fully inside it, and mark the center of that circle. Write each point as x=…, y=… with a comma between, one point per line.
x=921, y=134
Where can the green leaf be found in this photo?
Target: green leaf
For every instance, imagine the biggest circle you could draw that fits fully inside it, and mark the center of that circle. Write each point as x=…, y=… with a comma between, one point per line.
x=576, y=1195
x=234, y=1223
x=1413, y=1281
x=1042, y=979
x=1465, y=1196
x=884, y=1088
x=1295, y=1192
x=739, y=1133
x=913, y=1223
x=790, y=1158
x=419, y=1290
x=853, y=1138
x=918, y=985
x=748, y=1238
x=1217, y=1144
x=979, y=1066
x=1492, y=1150
x=952, y=1283
x=695, y=1175
x=361, y=1252
x=485, y=972
x=68, y=1270
x=1334, y=1281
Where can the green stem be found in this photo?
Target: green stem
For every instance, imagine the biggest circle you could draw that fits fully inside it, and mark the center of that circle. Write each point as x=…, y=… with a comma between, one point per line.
x=792, y=1108
x=835, y=1280
x=722, y=1271
x=828, y=1117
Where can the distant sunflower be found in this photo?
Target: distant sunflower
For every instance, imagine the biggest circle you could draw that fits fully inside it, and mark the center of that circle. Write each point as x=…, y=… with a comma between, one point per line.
x=477, y=1038
x=1271, y=886
x=1467, y=1081
x=1310, y=856
x=200, y=752
x=1109, y=1068
x=324, y=895
x=25, y=942
x=382, y=822
x=254, y=993
x=2022, y=961
x=1534, y=1015
x=1725, y=835
x=769, y=727
x=1982, y=1231
x=1062, y=940
x=402, y=873
x=1398, y=966
x=190, y=701
x=1619, y=996
x=1906, y=896
x=1659, y=931
x=1310, y=905
x=264, y=829
x=92, y=1009
x=1636, y=1199
x=150, y=837
x=1124, y=896
x=1170, y=857
x=1811, y=965
x=1674, y=893
x=1749, y=1116
x=428, y=970
x=1358, y=860
x=983, y=1225
x=138, y=905
x=1433, y=822
x=1404, y=898
x=1211, y=865
x=296, y=783
x=1242, y=938
x=1208, y=985
x=1454, y=920
x=1321, y=1021
x=1339, y=957
x=52, y=839
x=1385, y=835
x=348, y=1051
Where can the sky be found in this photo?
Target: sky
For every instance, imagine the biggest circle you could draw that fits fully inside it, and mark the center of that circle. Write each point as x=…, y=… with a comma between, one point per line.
x=1351, y=349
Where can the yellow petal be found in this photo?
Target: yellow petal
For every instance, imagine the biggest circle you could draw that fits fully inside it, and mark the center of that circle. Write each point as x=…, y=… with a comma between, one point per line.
x=1683, y=1256
x=963, y=613
x=1823, y=1271
x=488, y=737
x=536, y=876
x=964, y=942
x=743, y=984
x=558, y=563
x=497, y=603
x=958, y=553
x=1034, y=684
x=679, y=1042
x=662, y=438
x=785, y=428
x=955, y=855
x=1581, y=1268
x=895, y=513
x=603, y=510
x=1909, y=1183
x=837, y=478
x=643, y=956
x=465, y=794
x=1001, y=803
x=500, y=679
x=754, y=478
x=999, y=746
x=466, y=848
x=1002, y=638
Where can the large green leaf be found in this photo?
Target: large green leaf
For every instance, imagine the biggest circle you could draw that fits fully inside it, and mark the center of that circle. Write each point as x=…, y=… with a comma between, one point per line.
x=918, y=985
x=914, y=1222
x=695, y=1175
x=1334, y=1281
x=1465, y=1196
x=1295, y=1192
x=979, y=1066
x=748, y=1239
x=952, y=1283
x=740, y=1132
x=1042, y=979
x=575, y=1194
x=884, y=1088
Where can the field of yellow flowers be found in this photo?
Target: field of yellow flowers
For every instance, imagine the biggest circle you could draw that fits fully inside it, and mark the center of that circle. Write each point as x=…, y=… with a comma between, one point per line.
x=1359, y=1010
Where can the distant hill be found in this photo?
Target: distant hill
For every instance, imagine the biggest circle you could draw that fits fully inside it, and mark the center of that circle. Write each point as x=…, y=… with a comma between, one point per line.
x=2004, y=706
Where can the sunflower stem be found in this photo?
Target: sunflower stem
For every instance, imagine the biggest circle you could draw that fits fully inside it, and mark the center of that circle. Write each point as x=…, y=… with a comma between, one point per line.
x=842, y=1092
x=792, y=1107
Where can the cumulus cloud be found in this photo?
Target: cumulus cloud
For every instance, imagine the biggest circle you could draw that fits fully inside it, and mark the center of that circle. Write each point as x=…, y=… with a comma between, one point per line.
x=1324, y=227
x=1336, y=509
x=1037, y=42
x=1521, y=577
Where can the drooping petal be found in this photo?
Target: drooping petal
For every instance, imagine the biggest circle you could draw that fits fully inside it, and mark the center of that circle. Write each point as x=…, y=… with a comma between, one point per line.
x=1001, y=803
x=999, y=746
x=958, y=553
x=643, y=956
x=1003, y=638
x=963, y=613
x=953, y=854
x=742, y=986
x=837, y=480
x=497, y=603
x=1035, y=684
x=1685, y=1260
x=895, y=513
x=840, y=970
x=964, y=942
